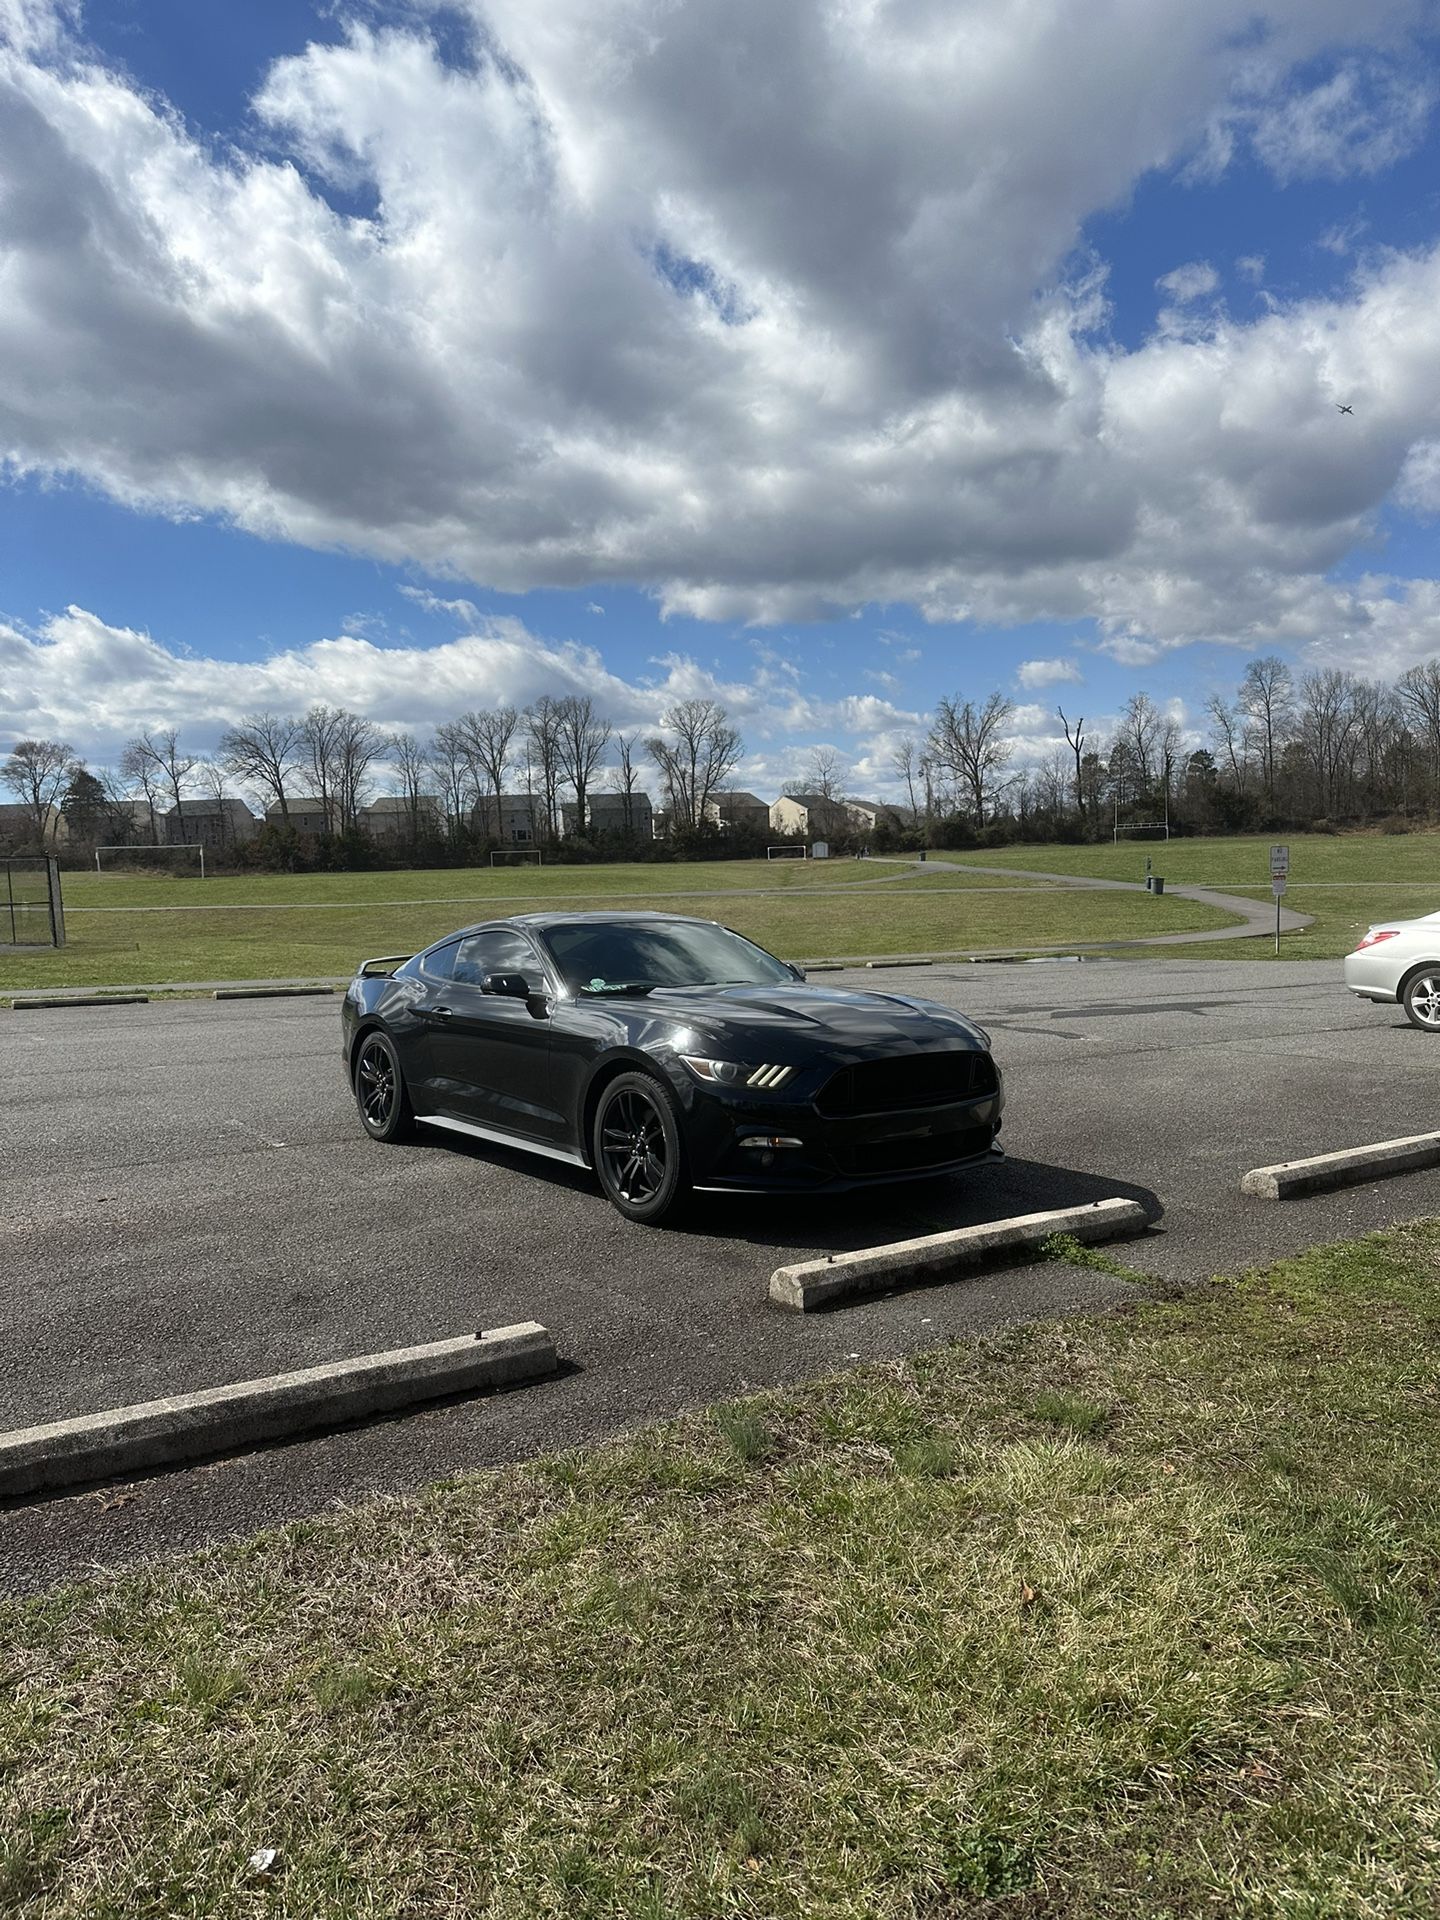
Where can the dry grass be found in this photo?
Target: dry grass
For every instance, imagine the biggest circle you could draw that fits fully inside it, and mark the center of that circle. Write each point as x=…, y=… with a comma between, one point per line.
x=1131, y=1614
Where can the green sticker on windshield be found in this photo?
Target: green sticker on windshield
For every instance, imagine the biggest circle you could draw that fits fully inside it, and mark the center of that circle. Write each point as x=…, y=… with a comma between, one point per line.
x=597, y=985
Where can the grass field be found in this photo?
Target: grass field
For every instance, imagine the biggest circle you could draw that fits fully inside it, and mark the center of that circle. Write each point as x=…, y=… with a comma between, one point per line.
x=1127, y=1614
x=124, y=930
x=1345, y=882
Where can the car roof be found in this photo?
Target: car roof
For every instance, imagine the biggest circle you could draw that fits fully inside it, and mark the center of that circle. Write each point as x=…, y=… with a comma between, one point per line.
x=556, y=917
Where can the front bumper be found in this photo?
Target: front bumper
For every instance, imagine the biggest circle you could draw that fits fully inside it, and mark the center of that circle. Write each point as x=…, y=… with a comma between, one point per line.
x=1374, y=974
x=833, y=1152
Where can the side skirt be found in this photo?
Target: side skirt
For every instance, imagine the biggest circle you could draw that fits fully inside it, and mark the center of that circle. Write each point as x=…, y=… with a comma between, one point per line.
x=501, y=1139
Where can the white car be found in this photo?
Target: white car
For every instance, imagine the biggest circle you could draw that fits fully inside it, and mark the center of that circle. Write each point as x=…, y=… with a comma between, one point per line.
x=1400, y=960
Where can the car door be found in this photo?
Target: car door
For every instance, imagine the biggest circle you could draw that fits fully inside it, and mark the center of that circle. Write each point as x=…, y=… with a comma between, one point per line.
x=489, y=1053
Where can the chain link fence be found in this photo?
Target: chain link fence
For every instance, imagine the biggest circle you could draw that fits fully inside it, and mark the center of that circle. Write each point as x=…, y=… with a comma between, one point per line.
x=31, y=913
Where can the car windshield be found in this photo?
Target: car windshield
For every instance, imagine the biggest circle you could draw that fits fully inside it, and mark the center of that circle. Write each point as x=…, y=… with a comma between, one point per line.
x=636, y=956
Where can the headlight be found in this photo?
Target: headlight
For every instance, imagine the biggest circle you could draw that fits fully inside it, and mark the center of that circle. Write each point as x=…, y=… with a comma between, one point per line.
x=735, y=1073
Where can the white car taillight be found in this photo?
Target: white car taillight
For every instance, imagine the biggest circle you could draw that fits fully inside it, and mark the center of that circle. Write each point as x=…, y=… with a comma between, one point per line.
x=1375, y=936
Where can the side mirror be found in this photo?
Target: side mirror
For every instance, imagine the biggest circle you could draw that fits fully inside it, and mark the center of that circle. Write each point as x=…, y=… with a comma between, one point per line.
x=511, y=986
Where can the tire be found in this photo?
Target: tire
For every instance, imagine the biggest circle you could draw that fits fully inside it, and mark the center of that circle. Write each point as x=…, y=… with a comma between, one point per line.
x=380, y=1093
x=637, y=1149
x=1422, y=1000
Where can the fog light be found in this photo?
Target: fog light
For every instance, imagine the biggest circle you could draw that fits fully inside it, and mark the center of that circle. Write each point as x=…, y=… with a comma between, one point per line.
x=770, y=1140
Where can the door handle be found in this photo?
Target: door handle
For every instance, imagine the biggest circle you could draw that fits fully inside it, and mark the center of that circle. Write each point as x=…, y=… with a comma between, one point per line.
x=443, y=1013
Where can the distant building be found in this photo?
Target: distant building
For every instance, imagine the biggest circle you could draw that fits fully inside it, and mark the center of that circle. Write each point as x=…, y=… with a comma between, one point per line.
x=305, y=815
x=209, y=823
x=17, y=829
x=612, y=813
x=519, y=820
x=395, y=817
x=736, y=808
x=132, y=823
x=809, y=816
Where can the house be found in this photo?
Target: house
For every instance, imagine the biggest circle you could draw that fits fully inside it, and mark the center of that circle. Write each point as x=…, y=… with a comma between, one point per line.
x=132, y=823
x=305, y=815
x=396, y=817
x=736, y=808
x=810, y=816
x=520, y=823
x=612, y=813
x=208, y=823
x=17, y=829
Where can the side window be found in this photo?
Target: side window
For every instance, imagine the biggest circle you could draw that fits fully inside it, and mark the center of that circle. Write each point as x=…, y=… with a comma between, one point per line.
x=497, y=950
x=439, y=964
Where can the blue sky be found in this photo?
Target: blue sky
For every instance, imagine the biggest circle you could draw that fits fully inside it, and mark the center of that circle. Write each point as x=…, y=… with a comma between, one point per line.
x=1002, y=352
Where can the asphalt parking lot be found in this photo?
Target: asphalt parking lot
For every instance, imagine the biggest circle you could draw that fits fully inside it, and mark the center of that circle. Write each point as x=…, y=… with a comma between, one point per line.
x=186, y=1199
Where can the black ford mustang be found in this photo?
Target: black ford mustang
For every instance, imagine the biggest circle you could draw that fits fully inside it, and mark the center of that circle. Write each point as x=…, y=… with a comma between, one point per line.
x=667, y=1054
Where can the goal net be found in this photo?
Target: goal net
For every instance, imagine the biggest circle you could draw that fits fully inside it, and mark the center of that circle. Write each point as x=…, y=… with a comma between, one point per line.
x=516, y=857
x=789, y=851
x=188, y=859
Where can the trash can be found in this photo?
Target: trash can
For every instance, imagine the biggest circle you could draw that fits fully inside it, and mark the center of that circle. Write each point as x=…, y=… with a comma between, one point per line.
x=1157, y=885
x=922, y=853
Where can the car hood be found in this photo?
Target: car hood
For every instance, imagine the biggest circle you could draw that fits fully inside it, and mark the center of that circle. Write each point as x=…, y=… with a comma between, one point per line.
x=832, y=1016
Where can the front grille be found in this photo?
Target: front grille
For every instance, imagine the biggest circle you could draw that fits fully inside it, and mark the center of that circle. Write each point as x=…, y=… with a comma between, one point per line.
x=911, y=1080
x=911, y=1155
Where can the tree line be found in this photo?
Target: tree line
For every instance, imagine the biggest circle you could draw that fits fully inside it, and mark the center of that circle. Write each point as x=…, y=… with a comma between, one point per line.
x=1283, y=750
x=555, y=754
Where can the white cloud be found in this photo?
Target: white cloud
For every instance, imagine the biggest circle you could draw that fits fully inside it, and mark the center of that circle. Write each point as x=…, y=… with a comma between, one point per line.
x=686, y=296
x=1252, y=265
x=1360, y=119
x=1047, y=673
x=80, y=679
x=594, y=606
x=1190, y=282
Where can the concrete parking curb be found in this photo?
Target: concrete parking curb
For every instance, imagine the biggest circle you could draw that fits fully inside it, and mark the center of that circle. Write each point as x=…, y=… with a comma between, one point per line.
x=81, y=1000
x=816, y=1283
x=127, y=1440
x=270, y=993
x=1344, y=1169
x=899, y=963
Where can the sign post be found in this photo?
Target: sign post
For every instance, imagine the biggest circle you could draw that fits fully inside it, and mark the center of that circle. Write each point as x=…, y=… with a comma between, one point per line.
x=1279, y=880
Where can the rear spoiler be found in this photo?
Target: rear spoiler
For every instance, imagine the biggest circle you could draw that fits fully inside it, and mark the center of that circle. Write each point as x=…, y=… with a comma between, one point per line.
x=381, y=967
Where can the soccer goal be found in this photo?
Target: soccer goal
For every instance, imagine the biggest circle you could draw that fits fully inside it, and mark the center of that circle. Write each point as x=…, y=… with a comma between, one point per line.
x=789, y=851
x=517, y=857
x=189, y=858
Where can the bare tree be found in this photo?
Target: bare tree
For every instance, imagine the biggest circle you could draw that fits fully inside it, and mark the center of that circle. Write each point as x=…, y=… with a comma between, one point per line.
x=155, y=760
x=450, y=762
x=411, y=764
x=320, y=744
x=1141, y=728
x=826, y=772
x=262, y=751
x=1327, y=734
x=1227, y=729
x=1075, y=740
x=542, y=737
x=905, y=762
x=581, y=738
x=137, y=770
x=623, y=776
x=358, y=744
x=697, y=761
x=1419, y=692
x=37, y=773
x=488, y=736
x=968, y=742
x=1266, y=695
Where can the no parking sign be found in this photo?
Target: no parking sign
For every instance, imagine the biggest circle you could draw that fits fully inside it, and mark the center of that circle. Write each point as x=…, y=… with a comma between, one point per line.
x=1279, y=880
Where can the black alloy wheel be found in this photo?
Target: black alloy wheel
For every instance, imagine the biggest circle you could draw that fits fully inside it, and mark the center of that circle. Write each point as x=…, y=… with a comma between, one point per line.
x=638, y=1152
x=1422, y=1000
x=380, y=1092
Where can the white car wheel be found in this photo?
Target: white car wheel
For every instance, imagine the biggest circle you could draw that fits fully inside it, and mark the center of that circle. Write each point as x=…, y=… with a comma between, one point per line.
x=1422, y=1000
